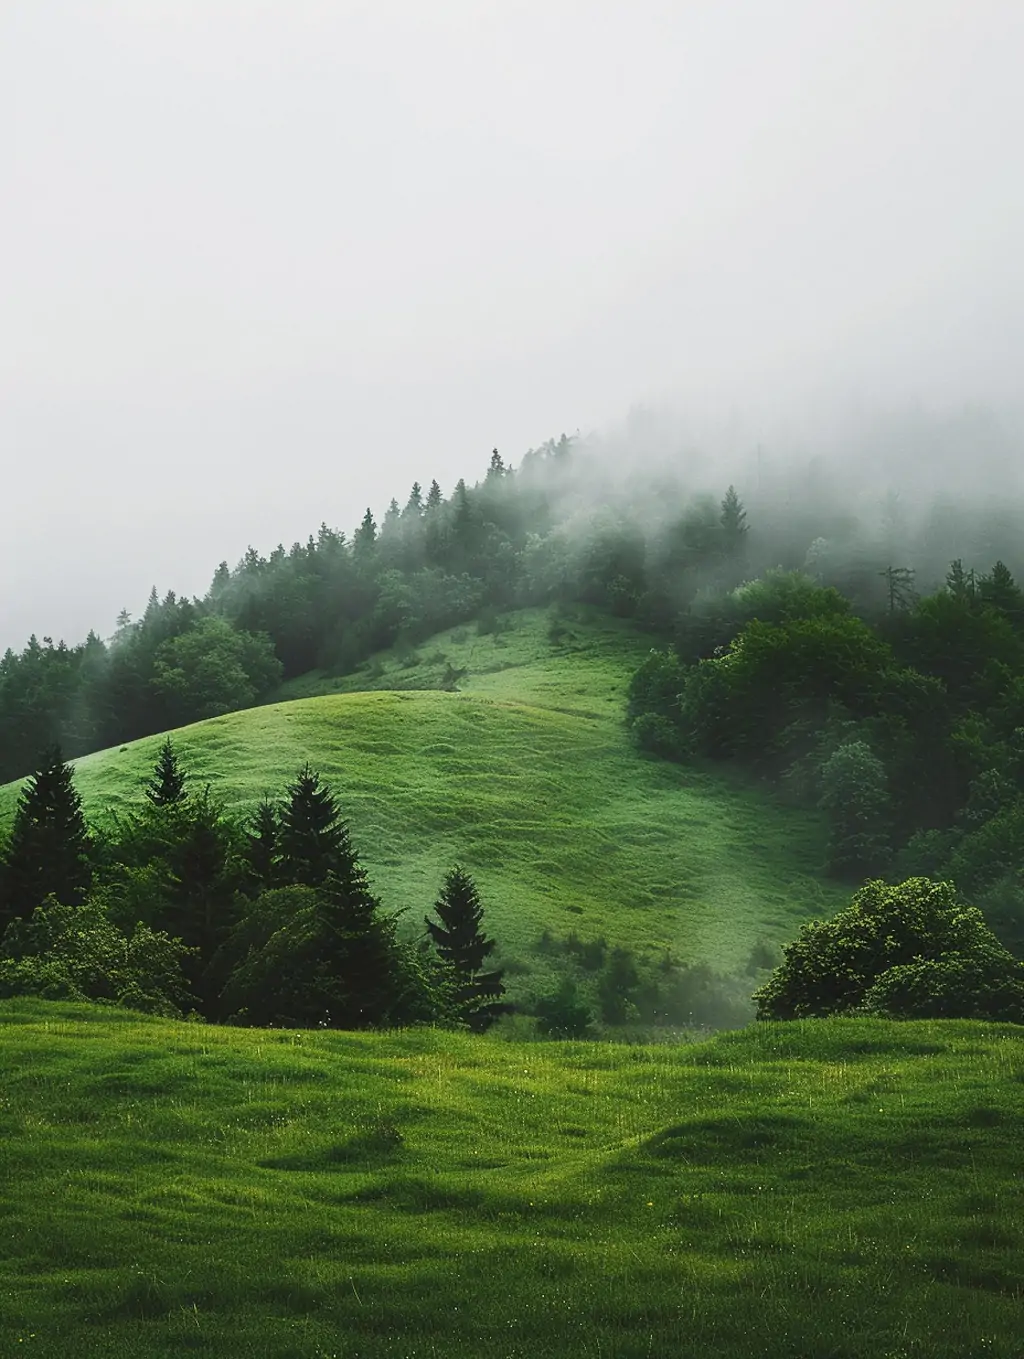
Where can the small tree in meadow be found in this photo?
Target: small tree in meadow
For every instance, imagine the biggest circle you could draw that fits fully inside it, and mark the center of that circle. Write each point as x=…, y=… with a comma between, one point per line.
x=166, y=787
x=460, y=941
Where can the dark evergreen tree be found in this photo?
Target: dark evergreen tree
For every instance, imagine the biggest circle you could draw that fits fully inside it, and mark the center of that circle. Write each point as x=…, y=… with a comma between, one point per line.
x=325, y=956
x=205, y=874
x=733, y=520
x=616, y=986
x=166, y=788
x=496, y=469
x=364, y=540
x=48, y=853
x=263, y=835
x=461, y=942
x=313, y=839
x=899, y=587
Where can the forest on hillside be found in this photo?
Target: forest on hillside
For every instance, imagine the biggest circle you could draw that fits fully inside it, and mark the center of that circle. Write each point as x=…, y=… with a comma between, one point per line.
x=843, y=659
x=567, y=525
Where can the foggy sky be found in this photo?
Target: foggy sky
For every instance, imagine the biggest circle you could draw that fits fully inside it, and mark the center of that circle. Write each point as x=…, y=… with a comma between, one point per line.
x=263, y=264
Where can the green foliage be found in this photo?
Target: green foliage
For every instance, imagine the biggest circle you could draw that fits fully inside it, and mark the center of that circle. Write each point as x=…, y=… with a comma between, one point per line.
x=76, y=953
x=564, y=1014
x=213, y=669
x=780, y=596
x=985, y=984
x=48, y=853
x=458, y=936
x=875, y=952
x=180, y=868
x=528, y=777
x=992, y=849
x=262, y=844
x=655, y=687
x=856, y=796
x=774, y=676
x=616, y=986
x=167, y=785
x=312, y=839
x=327, y=957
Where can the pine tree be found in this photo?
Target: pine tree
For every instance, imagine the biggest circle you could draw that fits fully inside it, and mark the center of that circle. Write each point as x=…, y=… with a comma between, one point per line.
x=364, y=540
x=462, y=944
x=496, y=468
x=313, y=839
x=203, y=875
x=166, y=788
x=48, y=854
x=434, y=497
x=262, y=838
x=733, y=520
x=899, y=585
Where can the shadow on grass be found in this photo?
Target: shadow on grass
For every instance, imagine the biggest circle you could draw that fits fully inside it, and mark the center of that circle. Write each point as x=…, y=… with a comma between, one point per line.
x=378, y=1144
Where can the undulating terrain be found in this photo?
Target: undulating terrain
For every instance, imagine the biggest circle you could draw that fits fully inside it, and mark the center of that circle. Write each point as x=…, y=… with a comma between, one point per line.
x=527, y=776
x=835, y=1188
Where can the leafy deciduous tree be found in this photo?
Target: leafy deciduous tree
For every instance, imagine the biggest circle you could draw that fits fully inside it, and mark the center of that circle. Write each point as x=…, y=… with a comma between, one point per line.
x=915, y=948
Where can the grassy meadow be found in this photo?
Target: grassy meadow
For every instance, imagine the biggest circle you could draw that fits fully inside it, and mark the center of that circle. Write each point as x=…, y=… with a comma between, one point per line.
x=527, y=776
x=837, y=1188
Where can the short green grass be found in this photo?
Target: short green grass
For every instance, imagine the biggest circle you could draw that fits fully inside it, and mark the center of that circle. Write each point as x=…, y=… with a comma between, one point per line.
x=838, y=1189
x=527, y=776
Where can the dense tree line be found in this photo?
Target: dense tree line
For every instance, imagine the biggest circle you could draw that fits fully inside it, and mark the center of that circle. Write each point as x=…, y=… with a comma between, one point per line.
x=562, y=527
x=903, y=721
x=271, y=920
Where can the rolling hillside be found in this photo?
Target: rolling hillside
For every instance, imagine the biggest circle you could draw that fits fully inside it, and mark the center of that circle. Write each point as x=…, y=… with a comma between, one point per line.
x=525, y=774
x=839, y=1189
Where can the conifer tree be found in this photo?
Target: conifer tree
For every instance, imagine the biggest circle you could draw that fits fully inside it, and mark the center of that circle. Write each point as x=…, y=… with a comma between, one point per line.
x=263, y=835
x=364, y=540
x=166, y=787
x=461, y=942
x=313, y=838
x=733, y=520
x=496, y=468
x=48, y=854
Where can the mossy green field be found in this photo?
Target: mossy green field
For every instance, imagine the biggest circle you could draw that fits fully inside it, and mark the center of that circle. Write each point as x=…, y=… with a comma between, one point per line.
x=838, y=1189
x=525, y=775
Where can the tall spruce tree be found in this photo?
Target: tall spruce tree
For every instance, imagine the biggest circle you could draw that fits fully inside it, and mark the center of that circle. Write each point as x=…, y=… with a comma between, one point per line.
x=733, y=519
x=461, y=942
x=313, y=840
x=48, y=853
x=166, y=787
x=262, y=841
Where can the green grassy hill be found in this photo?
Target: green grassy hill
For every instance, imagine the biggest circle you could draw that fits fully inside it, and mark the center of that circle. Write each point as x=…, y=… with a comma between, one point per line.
x=527, y=776
x=840, y=1189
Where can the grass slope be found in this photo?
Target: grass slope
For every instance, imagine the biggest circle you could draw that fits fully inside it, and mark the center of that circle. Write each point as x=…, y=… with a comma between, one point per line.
x=839, y=1189
x=527, y=776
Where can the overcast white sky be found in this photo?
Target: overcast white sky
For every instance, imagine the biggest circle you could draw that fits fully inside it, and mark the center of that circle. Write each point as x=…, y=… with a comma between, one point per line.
x=264, y=263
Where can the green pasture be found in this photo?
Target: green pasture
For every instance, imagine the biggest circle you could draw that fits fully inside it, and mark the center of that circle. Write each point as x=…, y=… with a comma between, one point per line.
x=836, y=1189
x=527, y=776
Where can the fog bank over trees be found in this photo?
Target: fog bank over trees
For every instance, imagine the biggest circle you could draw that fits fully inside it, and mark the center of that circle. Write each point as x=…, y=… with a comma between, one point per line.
x=268, y=265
